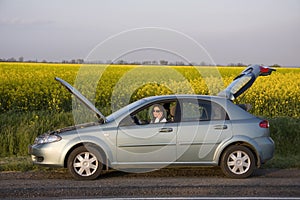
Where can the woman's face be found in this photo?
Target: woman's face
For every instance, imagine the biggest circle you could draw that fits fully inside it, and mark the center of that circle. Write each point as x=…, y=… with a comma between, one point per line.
x=157, y=113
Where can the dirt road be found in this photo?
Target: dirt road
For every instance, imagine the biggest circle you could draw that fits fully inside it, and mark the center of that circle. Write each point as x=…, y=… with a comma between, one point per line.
x=182, y=182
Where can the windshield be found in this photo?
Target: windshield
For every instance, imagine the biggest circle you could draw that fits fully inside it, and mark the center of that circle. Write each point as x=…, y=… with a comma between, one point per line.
x=124, y=110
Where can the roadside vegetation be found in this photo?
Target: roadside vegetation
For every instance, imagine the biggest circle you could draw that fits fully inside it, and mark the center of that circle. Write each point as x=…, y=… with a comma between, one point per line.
x=32, y=102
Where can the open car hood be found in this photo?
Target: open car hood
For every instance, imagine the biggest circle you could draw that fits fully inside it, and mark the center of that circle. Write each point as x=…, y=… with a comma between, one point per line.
x=81, y=98
x=245, y=80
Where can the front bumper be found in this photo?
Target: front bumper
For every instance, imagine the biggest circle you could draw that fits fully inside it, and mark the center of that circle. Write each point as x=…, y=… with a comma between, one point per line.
x=46, y=154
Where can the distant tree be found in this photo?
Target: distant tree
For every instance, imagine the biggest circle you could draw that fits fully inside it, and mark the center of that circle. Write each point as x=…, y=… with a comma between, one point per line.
x=135, y=63
x=237, y=64
x=275, y=66
x=79, y=61
x=163, y=62
x=154, y=62
x=121, y=62
x=12, y=59
x=193, y=64
x=179, y=63
x=241, y=65
x=146, y=62
x=21, y=59
x=202, y=63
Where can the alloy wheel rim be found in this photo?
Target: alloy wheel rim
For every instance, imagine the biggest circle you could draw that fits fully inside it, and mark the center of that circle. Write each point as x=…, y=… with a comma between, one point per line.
x=238, y=162
x=85, y=164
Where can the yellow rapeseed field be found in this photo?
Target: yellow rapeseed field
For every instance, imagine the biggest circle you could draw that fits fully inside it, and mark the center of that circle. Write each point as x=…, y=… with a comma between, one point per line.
x=31, y=86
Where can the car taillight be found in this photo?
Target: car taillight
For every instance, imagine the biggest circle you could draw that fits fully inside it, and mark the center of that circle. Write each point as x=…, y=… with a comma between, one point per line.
x=264, y=69
x=264, y=124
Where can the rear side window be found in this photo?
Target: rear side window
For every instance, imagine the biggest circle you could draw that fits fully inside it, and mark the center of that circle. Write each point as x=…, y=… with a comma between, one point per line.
x=200, y=110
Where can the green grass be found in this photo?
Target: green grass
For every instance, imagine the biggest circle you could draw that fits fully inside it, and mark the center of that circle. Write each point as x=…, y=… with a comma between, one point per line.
x=285, y=132
x=22, y=164
x=18, y=130
x=282, y=162
x=17, y=164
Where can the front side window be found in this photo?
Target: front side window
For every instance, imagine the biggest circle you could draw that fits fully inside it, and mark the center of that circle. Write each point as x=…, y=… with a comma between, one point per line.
x=158, y=112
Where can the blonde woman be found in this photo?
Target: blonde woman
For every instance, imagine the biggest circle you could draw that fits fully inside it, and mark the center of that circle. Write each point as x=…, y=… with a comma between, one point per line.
x=158, y=113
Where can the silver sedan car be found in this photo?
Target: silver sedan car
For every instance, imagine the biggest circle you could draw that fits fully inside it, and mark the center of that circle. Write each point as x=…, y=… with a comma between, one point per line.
x=159, y=131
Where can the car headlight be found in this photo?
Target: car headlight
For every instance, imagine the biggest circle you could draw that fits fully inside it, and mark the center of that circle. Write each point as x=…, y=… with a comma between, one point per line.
x=43, y=139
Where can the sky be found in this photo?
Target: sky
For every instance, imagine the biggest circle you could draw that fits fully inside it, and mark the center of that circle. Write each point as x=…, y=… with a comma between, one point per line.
x=211, y=31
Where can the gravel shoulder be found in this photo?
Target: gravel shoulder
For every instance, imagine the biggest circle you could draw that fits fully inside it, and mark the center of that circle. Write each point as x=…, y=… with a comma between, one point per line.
x=174, y=182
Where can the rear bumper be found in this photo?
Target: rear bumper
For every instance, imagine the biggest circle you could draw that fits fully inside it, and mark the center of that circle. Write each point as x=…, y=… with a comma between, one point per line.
x=267, y=149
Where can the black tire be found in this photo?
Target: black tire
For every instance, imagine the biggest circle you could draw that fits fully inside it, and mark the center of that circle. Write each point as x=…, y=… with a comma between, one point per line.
x=238, y=162
x=85, y=163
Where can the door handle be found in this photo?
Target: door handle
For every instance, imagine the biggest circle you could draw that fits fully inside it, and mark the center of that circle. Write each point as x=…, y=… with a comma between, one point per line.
x=165, y=130
x=220, y=127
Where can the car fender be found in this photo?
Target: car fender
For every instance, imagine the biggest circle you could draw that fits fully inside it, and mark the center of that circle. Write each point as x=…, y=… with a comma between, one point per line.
x=98, y=142
x=238, y=140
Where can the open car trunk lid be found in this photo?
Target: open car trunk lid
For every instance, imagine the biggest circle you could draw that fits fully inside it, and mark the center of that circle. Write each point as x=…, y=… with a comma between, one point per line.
x=245, y=80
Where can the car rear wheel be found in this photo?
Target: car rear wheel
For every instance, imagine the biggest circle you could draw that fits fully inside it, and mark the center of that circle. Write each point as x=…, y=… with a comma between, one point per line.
x=238, y=162
x=85, y=163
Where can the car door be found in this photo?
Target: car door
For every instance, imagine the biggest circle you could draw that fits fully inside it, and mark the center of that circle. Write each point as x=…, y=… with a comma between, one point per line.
x=203, y=125
x=141, y=141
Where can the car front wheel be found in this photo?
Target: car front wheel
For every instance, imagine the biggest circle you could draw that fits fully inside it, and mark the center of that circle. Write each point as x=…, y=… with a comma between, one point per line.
x=85, y=163
x=238, y=162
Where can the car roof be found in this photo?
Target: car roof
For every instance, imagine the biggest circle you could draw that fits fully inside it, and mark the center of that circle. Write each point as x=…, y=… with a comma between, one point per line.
x=183, y=96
